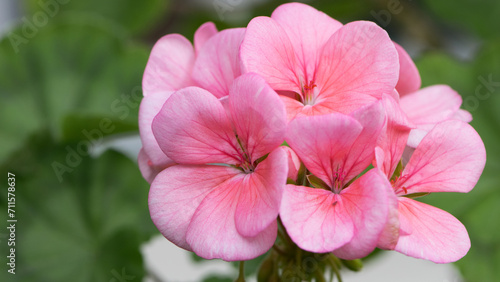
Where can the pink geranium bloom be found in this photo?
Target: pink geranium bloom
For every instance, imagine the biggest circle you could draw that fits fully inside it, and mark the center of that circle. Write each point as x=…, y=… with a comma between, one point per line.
x=222, y=199
x=317, y=64
x=427, y=106
x=450, y=158
x=346, y=218
x=212, y=64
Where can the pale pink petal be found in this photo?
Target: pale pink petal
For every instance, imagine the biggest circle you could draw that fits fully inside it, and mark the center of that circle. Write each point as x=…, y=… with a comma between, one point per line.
x=147, y=168
x=317, y=220
x=395, y=95
x=409, y=78
x=293, y=107
x=203, y=34
x=212, y=232
x=308, y=30
x=390, y=235
x=218, y=63
x=462, y=115
x=366, y=202
x=323, y=142
x=149, y=108
x=436, y=235
x=293, y=163
x=450, y=158
x=258, y=115
x=177, y=192
x=193, y=128
x=431, y=104
x=267, y=51
x=358, y=64
x=361, y=153
x=416, y=136
x=394, y=136
x=169, y=66
x=260, y=195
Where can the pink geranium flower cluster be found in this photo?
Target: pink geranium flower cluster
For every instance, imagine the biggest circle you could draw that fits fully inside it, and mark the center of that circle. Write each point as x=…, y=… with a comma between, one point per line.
x=300, y=118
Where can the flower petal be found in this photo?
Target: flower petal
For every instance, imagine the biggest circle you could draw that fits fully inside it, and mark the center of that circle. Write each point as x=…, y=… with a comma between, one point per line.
x=361, y=153
x=203, y=34
x=149, y=108
x=260, y=195
x=193, y=128
x=462, y=115
x=212, y=232
x=177, y=192
x=436, y=235
x=218, y=63
x=147, y=168
x=323, y=142
x=359, y=63
x=409, y=78
x=450, y=158
x=431, y=104
x=394, y=137
x=293, y=107
x=258, y=115
x=169, y=66
x=366, y=202
x=316, y=219
x=293, y=163
x=308, y=30
x=267, y=51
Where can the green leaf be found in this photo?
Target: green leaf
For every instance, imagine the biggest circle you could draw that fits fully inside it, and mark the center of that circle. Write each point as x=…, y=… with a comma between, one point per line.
x=128, y=15
x=416, y=195
x=66, y=71
x=317, y=182
x=88, y=227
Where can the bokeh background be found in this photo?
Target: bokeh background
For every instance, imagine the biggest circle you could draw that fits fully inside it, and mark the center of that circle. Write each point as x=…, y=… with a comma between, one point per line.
x=70, y=87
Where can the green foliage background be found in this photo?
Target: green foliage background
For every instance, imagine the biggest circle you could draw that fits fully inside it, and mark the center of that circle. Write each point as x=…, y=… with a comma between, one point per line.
x=76, y=70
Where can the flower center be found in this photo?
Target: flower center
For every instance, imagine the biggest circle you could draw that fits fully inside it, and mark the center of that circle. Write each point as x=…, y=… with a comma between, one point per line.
x=338, y=180
x=247, y=167
x=396, y=182
x=309, y=93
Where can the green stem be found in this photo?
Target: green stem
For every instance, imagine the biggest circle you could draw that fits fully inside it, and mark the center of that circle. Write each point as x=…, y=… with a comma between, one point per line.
x=335, y=265
x=241, y=277
x=287, y=240
x=279, y=250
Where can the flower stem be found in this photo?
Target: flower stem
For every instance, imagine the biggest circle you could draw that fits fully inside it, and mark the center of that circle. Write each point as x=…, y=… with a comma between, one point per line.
x=241, y=277
x=279, y=250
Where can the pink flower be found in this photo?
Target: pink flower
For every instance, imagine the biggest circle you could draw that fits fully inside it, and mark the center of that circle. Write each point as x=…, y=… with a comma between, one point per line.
x=427, y=106
x=450, y=158
x=222, y=199
x=317, y=64
x=346, y=218
x=212, y=64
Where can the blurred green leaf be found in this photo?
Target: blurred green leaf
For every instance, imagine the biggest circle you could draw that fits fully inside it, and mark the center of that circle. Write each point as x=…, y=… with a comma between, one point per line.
x=218, y=278
x=440, y=68
x=63, y=71
x=480, y=16
x=76, y=127
x=89, y=226
x=130, y=15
